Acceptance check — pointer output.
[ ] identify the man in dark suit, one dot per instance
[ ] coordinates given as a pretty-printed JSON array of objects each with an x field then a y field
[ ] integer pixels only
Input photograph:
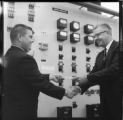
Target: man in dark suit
[
  {"x": 105, "y": 73},
  {"x": 22, "y": 80}
]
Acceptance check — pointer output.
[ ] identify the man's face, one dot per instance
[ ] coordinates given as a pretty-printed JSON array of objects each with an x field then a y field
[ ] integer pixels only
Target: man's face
[
  {"x": 100, "y": 36},
  {"x": 27, "y": 40}
]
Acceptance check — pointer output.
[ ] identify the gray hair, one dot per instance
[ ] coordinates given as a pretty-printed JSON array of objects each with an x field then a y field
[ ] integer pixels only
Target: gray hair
[{"x": 104, "y": 26}]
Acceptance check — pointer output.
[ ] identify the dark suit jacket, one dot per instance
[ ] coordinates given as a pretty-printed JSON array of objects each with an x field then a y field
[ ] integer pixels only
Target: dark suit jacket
[
  {"x": 107, "y": 76},
  {"x": 22, "y": 84}
]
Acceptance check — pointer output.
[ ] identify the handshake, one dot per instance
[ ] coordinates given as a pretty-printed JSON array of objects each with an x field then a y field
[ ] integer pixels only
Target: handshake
[{"x": 72, "y": 90}]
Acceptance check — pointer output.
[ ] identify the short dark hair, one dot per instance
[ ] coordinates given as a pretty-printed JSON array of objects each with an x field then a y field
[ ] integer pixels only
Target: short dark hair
[{"x": 19, "y": 29}]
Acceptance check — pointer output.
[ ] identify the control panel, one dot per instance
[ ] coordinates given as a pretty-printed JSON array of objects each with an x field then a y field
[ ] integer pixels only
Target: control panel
[{"x": 63, "y": 45}]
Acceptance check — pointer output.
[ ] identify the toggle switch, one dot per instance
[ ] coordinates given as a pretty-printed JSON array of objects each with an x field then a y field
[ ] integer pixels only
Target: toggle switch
[
  {"x": 88, "y": 50},
  {"x": 74, "y": 67},
  {"x": 31, "y": 6},
  {"x": 73, "y": 49},
  {"x": 88, "y": 59},
  {"x": 60, "y": 66},
  {"x": 73, "y": 57},
  {"x": 88, "y": 66},
  {"x": 60, "y": 56},
  {"x": 74, "y": 82},
  {"x": 60, "y": 47},
  {"x": 74, "y": 104},
  {"x": 11, "y": 13},
  {"x": 60, "y": 81},
  {"x": 31, "y": 17}
]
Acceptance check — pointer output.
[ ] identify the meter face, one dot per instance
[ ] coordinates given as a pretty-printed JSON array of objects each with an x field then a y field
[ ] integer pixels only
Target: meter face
[
  {"x": 76, "y": 35},
  {"x": 76, "y": 25},
  {"x": 63, "y": 21},
  {"x": 63, "y": 33}
]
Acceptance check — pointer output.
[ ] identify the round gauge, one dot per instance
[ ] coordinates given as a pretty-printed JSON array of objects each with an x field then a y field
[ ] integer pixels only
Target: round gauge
[{"x": 76, "y": 25}]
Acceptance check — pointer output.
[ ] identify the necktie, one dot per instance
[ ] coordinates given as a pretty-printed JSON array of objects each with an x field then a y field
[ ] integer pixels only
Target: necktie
[
  {"x": 104, "y": 52},
  {"x": 104, "y": 58}
]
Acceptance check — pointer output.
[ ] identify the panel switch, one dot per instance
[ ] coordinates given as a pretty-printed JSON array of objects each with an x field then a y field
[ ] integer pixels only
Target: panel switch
[
  {"x": 74, "y": 67},
  {"x": 73, "y": 57},
  {"x": 60, "y": 66},
  {"x": 61, "y": 56},
  {"x": 88, "y": 67},
  {"x": 60, "y": 47}
]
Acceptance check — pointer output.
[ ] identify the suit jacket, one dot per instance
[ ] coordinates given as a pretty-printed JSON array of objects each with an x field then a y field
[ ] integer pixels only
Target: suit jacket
[
  {"x": 107, "y": 76},
  {"x": 22, "y": 84}
]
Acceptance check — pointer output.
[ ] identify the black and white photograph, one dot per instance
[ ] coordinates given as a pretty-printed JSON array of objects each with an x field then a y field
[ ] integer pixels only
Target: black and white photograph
[{"x": 61, "y": 60}]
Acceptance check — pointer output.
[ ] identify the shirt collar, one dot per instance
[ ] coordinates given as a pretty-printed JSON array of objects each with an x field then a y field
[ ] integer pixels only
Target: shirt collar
[
  {"x": 108, "y": 46},
  {"x": 18, "y": 47}
]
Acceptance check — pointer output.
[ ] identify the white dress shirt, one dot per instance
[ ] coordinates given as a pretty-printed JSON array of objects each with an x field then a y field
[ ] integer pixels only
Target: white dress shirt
[{"x": 108, "y": 46}]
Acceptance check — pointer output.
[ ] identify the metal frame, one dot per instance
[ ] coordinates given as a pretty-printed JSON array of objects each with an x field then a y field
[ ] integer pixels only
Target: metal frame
[{"x": 97, "y": 7}]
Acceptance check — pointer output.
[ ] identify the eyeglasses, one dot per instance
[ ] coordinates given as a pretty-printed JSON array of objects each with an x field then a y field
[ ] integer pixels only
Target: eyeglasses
[{"x": 98, "y": 34}]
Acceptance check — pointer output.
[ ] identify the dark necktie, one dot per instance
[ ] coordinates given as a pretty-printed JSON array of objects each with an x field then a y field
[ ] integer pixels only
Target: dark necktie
[
  {"x": 105, "y": 53},
  {"x": 104, "y": 57}
]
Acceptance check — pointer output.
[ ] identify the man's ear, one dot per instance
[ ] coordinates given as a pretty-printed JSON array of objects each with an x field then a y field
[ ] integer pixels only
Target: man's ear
[{"x": 19, "y": 37}]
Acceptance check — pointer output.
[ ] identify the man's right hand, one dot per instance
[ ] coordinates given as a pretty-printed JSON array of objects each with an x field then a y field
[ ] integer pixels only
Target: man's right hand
[
  {"x": 82, "y": 82},
  {"x": 72, "y": 91}
]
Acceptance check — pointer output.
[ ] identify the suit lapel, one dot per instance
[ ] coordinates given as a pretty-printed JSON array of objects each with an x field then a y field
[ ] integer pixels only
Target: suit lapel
[{"x": 112, "y": 47}]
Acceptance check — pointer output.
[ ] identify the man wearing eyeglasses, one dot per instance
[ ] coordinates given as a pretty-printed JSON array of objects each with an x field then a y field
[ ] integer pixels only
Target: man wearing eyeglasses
[{"x": 105, "y": 73}]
